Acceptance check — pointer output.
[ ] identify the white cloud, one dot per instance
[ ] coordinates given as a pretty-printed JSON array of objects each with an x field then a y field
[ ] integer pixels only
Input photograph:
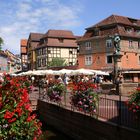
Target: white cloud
[{"x": 36, "y": 16}]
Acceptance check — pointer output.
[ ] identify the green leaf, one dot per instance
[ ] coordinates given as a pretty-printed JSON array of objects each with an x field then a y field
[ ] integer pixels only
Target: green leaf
[
  {"x": 3, "y": 97},
  {"x": 2, "y": 111}
]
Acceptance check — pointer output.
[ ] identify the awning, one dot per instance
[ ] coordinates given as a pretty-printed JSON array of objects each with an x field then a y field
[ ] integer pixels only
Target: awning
[{"x": 131, "y": 71}]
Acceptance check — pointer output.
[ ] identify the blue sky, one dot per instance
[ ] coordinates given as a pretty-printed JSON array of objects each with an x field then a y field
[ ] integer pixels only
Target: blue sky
[{"x": 20, "y": 17}]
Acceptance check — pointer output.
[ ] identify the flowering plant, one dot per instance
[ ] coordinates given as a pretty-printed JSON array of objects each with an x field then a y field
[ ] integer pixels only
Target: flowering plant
[
  {"x": 134, "y": 101},
  {"x": 16, "y": 119},
  {"x": 84, "y": 97},
  {"x": 55, "y": 91}
]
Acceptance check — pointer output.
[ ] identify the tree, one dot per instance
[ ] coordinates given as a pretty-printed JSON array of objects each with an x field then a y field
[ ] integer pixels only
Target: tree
[
  {"x": 1, "y": 42},
  {"x": 57, "y": 62}
]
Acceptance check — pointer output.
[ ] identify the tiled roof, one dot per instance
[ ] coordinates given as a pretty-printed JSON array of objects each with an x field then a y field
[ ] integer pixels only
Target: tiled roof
[
  {"x": 54, "y": 36},
  {"x": 59, "y": 34},
  {"x": 34, "y": 44},
  {"x": 35, "y": 36},
  {"x": 2, "y": 53},
  {"x": 66, "y": 42},
  {"x": 23, "y": 42},
  {"x": 114, "y": 19}
]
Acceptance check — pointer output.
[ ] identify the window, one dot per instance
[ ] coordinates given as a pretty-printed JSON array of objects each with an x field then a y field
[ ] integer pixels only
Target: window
[
  {"x": 109, "y": 43},
  {"x": 88, "y": 60},
  {"x": 96, "y": 32},
  {"x": 109, "y": 59},
  {"x": 70, "y": 63},
  {"x": 138, "y": 44},
  {"x": 39, "y": 52},
  {"x": 130, "y": 44},
  {"x": 98, "y": 60},
  {"x": 43, "y": 50},
  {"x": 70, "y": 52},
  {"x": 128, "y": 30},
  {"x": 49, "y": 51},
  {"x": 88, "y": 45},
  {"x": 61, "y": 40},
  {"x": 44, "y": 62},
  {"x": 39, "y": 62},
  {"x": 139, "y": 60},
  {"x": 138, "y": 32}
]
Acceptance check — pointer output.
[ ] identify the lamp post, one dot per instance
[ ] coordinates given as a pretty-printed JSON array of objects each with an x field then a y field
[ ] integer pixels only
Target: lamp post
[{"x": 116, "y": 73}]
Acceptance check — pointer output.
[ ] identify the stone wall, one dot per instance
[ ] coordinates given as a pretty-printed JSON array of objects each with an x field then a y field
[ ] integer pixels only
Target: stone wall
[
  {"x": 125, "y": 89},
  {"x": 82, "y": 127}
]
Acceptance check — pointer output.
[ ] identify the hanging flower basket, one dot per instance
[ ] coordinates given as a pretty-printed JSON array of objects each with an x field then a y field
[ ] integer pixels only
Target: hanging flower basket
[
  {"x": 55, "y": 91},
  {"x": 84, "y": 97}
]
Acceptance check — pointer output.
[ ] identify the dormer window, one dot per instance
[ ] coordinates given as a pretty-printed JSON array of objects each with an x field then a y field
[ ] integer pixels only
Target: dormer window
[
  {"x": 88, "y": 45},
  {"x": 128, "y": 30},
  {"x": 138, "y": 44},
  {"x": 61, "y": 40},
  {"x": 96, "y": 32},
  {"x": 138, "y": 32}
]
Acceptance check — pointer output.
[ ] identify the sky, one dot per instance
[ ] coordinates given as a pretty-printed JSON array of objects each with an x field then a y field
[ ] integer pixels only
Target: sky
[{"x": 20, "y": 17}]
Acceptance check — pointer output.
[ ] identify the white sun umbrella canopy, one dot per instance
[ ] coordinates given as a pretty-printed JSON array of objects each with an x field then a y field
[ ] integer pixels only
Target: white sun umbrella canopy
[
  {"x": 82, "y": 71},
  {"x": 99, "y": 72},
  {"x": 65, "y": 71},
  {"x": 48, "y": 72},
  {"x": 30, "y": 72},
  {"x": 38, "y": 72},
  {"x": 13, "y": 74},
  {"x": 21, "y": 74}
]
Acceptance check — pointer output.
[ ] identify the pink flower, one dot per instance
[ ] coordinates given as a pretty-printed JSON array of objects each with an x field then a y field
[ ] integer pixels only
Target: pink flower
[{"x": 35, "y": 138}]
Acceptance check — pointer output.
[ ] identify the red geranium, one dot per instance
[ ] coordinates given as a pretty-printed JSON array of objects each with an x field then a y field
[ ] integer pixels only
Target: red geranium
[
  {"x": 16, "y": 120},
  {"x": 8, "y": 115},
  {"x": 84, "y": 96},
  {"x": 134, "y": 101}
]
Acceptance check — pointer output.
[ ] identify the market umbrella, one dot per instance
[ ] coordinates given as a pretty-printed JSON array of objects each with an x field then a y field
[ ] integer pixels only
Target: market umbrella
[{"x": 82, "y": 71}]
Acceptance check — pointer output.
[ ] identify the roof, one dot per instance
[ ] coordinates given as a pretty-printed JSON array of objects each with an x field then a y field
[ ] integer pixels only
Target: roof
[
  {"x": 23, "y": 42},
  {"x": 57, "y": 43},
  {"x": 2, "y": 53},
  {"x": 35, "y": 36},
  {"x": 115, "y": 19},
  {"x": 59, "y": 34}
]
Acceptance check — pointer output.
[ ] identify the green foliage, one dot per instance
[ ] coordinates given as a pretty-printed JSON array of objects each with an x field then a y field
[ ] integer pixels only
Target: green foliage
[
  {"x": 57, "y": 62},
  {"x": 55, "y": 91},
  {"x": 16, "y": 119},
  {"x": 134, "y": 101},
  {"x": 1, "y": 42},
  {"x": 85, "y": 97}
]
